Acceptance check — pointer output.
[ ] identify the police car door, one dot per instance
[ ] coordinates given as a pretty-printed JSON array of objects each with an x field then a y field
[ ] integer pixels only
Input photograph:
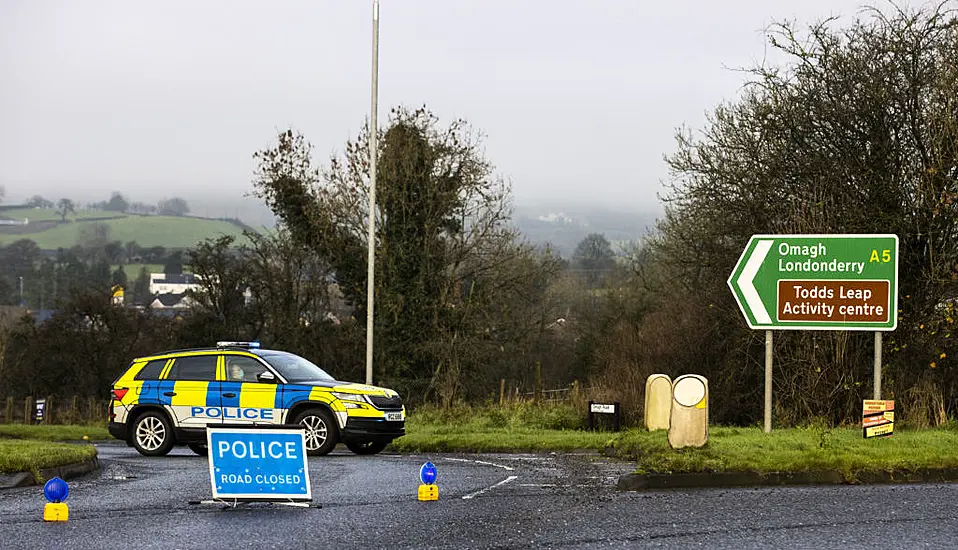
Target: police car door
[
  {"x": 190, "y": 391},
  {"x": 246, "y": 399}
]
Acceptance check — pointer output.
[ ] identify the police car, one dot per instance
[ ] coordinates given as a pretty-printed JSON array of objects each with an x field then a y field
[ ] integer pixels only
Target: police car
[{"x": 170, "y": 398}]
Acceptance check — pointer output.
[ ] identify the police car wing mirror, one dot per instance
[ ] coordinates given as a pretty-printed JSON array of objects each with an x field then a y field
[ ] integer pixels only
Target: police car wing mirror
[{"x": 266, "y": 376}]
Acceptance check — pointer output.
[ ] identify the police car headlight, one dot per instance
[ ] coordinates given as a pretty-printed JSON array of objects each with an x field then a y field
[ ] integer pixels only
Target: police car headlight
[{"x": 349, "y": 396}]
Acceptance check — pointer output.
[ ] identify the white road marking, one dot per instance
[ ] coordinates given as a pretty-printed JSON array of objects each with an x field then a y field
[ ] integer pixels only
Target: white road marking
[
  {"x": 508, "y": 468},
  {"x": 479, "y": 492}
]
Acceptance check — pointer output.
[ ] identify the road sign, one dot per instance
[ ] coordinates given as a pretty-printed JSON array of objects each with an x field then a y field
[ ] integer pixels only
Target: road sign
[
  {"x": 878, "y": 418},
  {"x": 258, "y": 463},
  {"x": 818, "y": 282}
]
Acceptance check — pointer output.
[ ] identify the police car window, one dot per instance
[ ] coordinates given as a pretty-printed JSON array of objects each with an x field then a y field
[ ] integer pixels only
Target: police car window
[
  {"x": 200, "y": 367},
  {"x": 242, "y": 369},
  {"x": 151, "y": 371},
  {"x": 294, "y": 368}
]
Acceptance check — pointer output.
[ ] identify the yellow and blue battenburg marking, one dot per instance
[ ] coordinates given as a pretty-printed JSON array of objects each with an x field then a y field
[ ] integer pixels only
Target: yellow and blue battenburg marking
[{"x": 194, "y": 402}]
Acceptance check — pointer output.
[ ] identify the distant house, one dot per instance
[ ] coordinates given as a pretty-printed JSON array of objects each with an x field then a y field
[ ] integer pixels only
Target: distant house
[
  {"x": 170, "y": 301},
  {"x": 172, "y": 283}
]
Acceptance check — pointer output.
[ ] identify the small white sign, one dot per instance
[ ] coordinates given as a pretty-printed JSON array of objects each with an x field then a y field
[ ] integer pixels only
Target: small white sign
[{"x": 600, "y": 408}]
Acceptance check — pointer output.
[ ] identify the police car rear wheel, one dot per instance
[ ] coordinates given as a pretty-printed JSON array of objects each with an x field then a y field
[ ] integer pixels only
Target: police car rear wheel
[
  {"x": 366, "y": 447},
  {"x": 321, "y": 431},
  {"x": 152, "y": 434}
]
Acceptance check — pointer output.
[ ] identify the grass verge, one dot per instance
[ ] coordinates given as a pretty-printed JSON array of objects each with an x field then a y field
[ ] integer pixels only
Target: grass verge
[
  {"x": 28, "y": 448},
  {"x": 729, "y": 449},
  {"x": 24, "y": 455},
  {"x": 794, "y": 450},
  {"x": 46, "y": 432}
]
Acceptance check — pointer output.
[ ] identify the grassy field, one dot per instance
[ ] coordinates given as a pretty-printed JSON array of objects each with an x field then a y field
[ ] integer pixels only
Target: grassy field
[
  {"x": 133, "y": 271},
  {"x": 147, "y": 231}
]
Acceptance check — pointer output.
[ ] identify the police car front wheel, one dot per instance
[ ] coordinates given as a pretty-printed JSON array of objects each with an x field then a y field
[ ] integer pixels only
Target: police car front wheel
[
  {"x": 199, "y": 448},
  {"x": 152, "y": 434},
  {"x": 366, "y": 447},
  {"x": 321, "y": 431}
]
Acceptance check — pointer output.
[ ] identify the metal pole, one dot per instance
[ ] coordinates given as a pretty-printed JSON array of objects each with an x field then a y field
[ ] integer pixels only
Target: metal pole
[
  {"x": 877, "y": 382},
  {"x": 768, "y": 381},
  {"x": 21, "y": 291},
  {"x": 373, "y": 143}
]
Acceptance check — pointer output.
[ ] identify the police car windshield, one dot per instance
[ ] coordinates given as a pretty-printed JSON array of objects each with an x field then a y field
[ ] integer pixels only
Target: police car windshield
[{"x": 294, "y": 368}]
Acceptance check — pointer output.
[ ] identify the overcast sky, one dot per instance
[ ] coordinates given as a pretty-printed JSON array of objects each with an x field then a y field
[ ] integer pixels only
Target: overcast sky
[{"x": 579, "y": 100}]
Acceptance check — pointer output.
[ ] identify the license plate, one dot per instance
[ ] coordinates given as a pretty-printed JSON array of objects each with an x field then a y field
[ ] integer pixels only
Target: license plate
[{"x": 393, "y": 416}]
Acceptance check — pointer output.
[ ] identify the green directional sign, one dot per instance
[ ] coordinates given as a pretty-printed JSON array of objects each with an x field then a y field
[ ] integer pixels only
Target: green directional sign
[{"x": 818, "y": 282}]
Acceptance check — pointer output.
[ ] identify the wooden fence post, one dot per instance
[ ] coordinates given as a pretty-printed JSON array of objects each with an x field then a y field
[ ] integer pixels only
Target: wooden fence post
[
  {"x": 48, "y": 413},
  {"x": 502, "y": 391},
  {"x": 74, "y": 410},
  {"x": 94, "y": 412},
  {"x": 27, "y": 409},
  {"x": 538, "y": 394},
  {"x": 8, "y": 414}
]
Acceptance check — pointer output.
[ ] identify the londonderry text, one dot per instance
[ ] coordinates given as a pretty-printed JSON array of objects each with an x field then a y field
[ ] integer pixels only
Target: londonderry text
[{"x": 812, "y": 264}]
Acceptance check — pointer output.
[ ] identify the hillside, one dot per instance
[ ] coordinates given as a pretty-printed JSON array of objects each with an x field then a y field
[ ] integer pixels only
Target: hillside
[
  {"x": 44, "y": 226},
  {"x": 558, "y": 224}
]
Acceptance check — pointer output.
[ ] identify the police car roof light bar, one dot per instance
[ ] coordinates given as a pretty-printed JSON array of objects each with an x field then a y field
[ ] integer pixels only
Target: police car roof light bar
[{"x": 230, "y": 344}]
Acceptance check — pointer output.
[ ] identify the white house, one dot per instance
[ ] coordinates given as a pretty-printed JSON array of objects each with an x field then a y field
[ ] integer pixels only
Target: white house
[{"x": 172, "y": 283}]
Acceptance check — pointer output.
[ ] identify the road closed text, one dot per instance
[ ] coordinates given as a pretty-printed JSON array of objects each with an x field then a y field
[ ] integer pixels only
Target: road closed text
[
  {"x": 261, "y": 479},
  {"x": 842, "y": 300}
]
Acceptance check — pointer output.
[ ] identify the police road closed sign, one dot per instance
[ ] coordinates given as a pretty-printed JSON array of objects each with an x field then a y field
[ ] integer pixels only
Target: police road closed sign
[{"x": 258, "y": 463}]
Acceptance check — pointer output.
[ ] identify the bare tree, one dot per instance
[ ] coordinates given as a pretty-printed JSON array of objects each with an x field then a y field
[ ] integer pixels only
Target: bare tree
[
  {"x": 443, "y": 240},
  {"x": 856, "y": 134}
]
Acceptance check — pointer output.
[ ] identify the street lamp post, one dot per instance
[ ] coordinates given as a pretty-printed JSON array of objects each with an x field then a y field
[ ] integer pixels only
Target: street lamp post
[{"x": 373, "y": 145}]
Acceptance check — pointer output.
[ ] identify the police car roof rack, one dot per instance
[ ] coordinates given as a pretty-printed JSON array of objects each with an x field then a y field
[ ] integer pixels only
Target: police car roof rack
[{"x": 232, "y": 344}]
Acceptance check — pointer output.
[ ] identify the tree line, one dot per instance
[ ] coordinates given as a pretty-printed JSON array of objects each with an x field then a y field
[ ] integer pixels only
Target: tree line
[
  {"x": 174, "y": 206},
  {"x": 40, "y": 279},
  {"x": 856, "y": 133}
]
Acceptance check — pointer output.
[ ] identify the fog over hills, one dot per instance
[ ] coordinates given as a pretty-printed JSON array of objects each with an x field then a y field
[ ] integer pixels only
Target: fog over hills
[
  {"x": 560, "y": 223},
  {"x": 564, "y": 224}
]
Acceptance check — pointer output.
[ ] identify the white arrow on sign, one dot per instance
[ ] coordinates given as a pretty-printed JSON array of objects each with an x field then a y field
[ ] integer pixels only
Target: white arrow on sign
[{"x": 748, "y": 289}]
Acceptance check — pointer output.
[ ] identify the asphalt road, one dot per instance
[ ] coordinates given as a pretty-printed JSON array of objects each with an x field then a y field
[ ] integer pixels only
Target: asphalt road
[{"x": 486, "y": 501}]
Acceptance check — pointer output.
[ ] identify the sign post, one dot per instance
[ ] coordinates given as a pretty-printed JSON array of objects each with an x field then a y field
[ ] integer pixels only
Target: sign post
[
  {"x": 41, "y": 407},
  {"x": 818, "y": 282},
  {"x": 605, "y": 408},
  {"x": 259, "y": 464}
]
